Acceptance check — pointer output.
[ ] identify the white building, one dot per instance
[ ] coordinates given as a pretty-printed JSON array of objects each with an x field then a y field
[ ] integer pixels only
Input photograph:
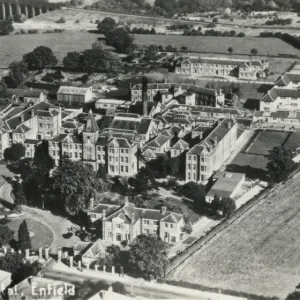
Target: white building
[{"x": 74, "y": 94}]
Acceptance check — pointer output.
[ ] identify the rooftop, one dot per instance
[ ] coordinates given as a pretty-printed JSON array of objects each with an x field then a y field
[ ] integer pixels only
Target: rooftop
[{"x": 74, "y": 90}]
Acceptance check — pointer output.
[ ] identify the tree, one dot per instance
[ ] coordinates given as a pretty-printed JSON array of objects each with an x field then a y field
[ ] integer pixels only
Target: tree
[
  {"x": 6, "y": 235},
  {"x": 144, "y": 180},
  {"x": 97, "y": 45},
  {"x": 40, "y": 58},
  {"x": 254, "y": 51},
  {"x": 232, "y": 33},
  {"x": 120, "y": 39},
  {"x": 26, "y": 270},
  {"x": 14, "y": 152},
  {"x": 101, "y": 173},
  {"x": 195, "y": 192},
  {"x": 230, "y": 50},
  {"x": 99, "y": 60},
  {"x": 216, "y": 203},
  {"x": 106, "y": 25},
  {"x": 241, "y": 34},
  {"x": 73, "y": 61},
  {"x": 280, "y": 164},
  {"x": 147, "y": 255},
  {"x": 259, "y": 5},
  {"x": 6, "y": 27},
  {"x": 151, "y": 52},
  {"x": 17, "y": 74},
  {"x": 20, "y": 198},
  {"x": 119, "y": 287},
  {"x": 228, "y": 207},
  {"x": 24, "y": 241},
  {"x": 74, "y": 185}
]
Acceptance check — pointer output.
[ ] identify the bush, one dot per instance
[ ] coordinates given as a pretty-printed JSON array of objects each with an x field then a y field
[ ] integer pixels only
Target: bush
[
  {"x": 77, "y": 21},
  {"x": 60, "y": 20}
]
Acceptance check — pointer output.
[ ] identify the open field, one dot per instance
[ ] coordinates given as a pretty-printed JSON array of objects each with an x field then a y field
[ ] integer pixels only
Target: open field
[
  {"x": 266, "y": 141},
  {"x": 258, "y": 253},
  {"x": 60, "y": 43},
  {"x": 212, "y": 44}
]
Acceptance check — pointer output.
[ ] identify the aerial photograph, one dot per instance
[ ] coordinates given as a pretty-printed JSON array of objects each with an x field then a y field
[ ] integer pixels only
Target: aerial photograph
[{"x": 149, "y": 149}]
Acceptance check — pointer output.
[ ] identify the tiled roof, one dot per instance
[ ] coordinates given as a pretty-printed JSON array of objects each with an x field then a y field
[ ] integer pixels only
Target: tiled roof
[
  {"x": 148, "y": 153},
  {"x": 101, "y": 207},
  {"x": 22, "y": 129},
  {"x": 125, "y": 124},
  {"x": 71, "y": 139},
  {"x": 144, "y": 126},
  {"x": 82, "y": 246},
  {"x": 96, "y": 250},
  {"x": 180, "y": 145},
  {"x": 288, "y": 78},
  {"x": 93, "y": 124},
  {"x": 128, "y": 115},
  {"x": 119, "y": 142},
  {"x": 32, "y": 142},
  {"x": 59, "y": 137},
  {"x": 196, "y": 150},
  {"x": 274, "y": 93}
]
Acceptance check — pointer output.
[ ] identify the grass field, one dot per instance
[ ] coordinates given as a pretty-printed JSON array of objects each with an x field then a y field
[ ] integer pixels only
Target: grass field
[
  {"x": 266, "y": 141},
  {"x": 42, "y": 234},
  {"x": 259, "y": 253},
  {"x": 13, "y": 47},
  {"x": 212, "y": 44},
  {"x": 293, "y": 142}
]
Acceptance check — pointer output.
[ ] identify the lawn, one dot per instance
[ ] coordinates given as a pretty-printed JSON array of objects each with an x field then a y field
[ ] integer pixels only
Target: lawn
[
  {"x": 293, "y": 142},
  {"x": 266, "y": 141},
  {"x": 212, "y": 44},
  {"x": 60, "y": 43},
  {"x": 258, "y": 254},
  {"x": 42, "y": 234}
]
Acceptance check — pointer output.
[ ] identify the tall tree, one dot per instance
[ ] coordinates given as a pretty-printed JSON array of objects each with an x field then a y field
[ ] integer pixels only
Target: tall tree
[
  {"x": 120, "y": 39},
  {"x": 254, "y": 52},
  {"x": 228, "y": 207},
  {"x": 195, "y": 192},
  {"x": 17, "y": 74},
  {"x": 20, "y": 198},
  {"x": 6, "y": 235},
  {"x": 24, "y": 241},
  {"x": 151, "y": 52},
  {"x": 106, "y": 25},
  {"x": 147, "y": 255},
  {"x": 40, "y": 58},
  {"x": 230, "y": 50},
  {"x": 280, "y": 164}
]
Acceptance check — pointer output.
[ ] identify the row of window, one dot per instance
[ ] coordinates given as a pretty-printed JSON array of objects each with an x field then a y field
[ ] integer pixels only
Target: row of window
[
  {"x": 44, "y": 125},
  {"x": 194, "y": 158},
  {"x": 152, "y": 222},
  {"x": 193, "y": 177},
  {"x": 123, "y": 169},
  {"x": 116, "y": 159},
  {"x": 122, "y": 151},
  {"x": 70, "y": 146}
]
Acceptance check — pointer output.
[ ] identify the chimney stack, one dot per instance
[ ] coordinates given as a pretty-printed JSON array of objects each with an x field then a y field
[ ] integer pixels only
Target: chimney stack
[
  {"x": 132, "y": 218},
  {"x": 22, "y": 118},
  {"x": 229, "y": 123},
  {"x": 145, "y": 96},
  {"x": 216, "y": 141},
  {"x": 91, "y": 203},
  {"x": 163, "y": 210},
  {"x": 32, "y": 113},
  {"x": 103, "y": 214},
  {"x": 126, "y": 201}
]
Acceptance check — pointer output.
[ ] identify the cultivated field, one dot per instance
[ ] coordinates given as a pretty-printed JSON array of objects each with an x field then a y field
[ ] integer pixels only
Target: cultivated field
[
  {"x": 258, "y": 254},
  {"x": 212, "y": 44},
  {"x": 13, "y": 47},
  {"x": 266, "y": 141}
]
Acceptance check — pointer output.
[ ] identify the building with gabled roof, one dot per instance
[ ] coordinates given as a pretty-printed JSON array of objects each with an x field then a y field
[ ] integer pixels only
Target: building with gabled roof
[
  {"x": 206, "y": 157},
  {"x": 74, "y": 95},
  {"x": 212, "y": 66},
  {"x": 288, "y": 80},
  {"x": 127, "y": 222},
  {"x": 179, "y": 147}
]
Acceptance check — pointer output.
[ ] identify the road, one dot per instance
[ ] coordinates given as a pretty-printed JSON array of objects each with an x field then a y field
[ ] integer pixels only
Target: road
[{"x": 142, "y": 289}]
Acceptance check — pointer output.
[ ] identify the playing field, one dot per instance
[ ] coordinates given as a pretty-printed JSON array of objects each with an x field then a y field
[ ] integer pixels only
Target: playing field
[
  {"x": 266, "y": 141},
  {"x": 258, "y": 254},
  {"x": 13, "y": 47},
  {"x": 213, "y": 44}
]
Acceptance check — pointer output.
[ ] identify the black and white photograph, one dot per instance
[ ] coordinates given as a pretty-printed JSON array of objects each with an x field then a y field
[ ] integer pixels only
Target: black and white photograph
[{"x": 149, "y": 149}]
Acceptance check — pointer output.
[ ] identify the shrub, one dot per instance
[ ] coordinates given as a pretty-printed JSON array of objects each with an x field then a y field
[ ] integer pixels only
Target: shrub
[
  {"x": 78, "y": 21},
  {"x": 61, "y": 20}
]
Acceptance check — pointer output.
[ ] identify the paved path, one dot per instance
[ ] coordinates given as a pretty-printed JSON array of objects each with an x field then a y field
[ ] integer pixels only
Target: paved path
[
  {"x": 137, "y": 286},
  {"x": 5, "y": 193}
]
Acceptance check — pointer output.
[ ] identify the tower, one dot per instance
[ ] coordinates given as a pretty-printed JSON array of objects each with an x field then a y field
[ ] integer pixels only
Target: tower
[
  {"x": 90, "y": 137},
  {"x": 145, "y": 96}
]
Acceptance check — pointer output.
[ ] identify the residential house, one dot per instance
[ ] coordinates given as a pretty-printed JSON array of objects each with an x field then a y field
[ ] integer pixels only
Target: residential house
[
  {"x": 206, "y": 157},
  {"x": 127, "y": 222},
  {"x": 112, "y": 104},
  {"x": 289, "y": 80},
  {"x": 30, "y": 147},
  {"x": 23, "y": 96},
  {"x": 72, "y": 95}
]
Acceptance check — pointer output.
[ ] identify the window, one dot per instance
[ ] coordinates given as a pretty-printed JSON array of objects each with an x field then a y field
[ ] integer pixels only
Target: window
[
  {"x": 189, "y": 166},
  {"x": 93, "y": 216},
  {"x": 122, "y": 169},
  {"x": 166, "y": 225},
  {"x": 75, "y": 146},
  {"x": 146, "y": 222},
  {"x": 126, "y": 169},
  {"x": 126, "y": 159},
  {"x": 80, "y": 155},
  {"x": 53, "y": 153},
  {"x": 126, "y": 151},
  {"x": 27, "y": 154},
  {"x": 171, "y": 225},
  {"x": 195, "y": 157},
  {"x": 118, "y": 237},
  {"x": 118, "y": 225},
  {"x": 173, "y": 239},
  {"x": 122, "y": 159},
  {"x": 194, "y": 167},
  {"x": 112, "y": 168},
  {"x": 194, "y": 176},
  {"x": 189, "y": 176},
  {"x": 155, "y": 222},
  {"x": 76, "y": 155},
  {"x": 99, "y": 157},
  {"x": 122, "y": 150}
]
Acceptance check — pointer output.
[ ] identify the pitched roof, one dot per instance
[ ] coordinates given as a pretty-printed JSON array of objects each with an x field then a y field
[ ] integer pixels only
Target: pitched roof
[
  {"x": 73, "y": 90},
  {"x": 22, "y": 129},
  {"x": 101, "y": 207},
  {"x": 287, "y": 78},
  {"x": 148, "y": 153},
  {"x": 31, "y": 141},
  {"x": 180, "y": 145},
  {"x": 144, "y": 126},
  {"x": 274, "y": 93},
  {"x": 91, "y": 124},
  {"x": 59, "y": 137}
]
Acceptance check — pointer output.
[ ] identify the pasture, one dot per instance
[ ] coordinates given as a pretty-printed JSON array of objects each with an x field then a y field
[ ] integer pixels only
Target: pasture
[
  {"x": 256, "y": 254},
  {"x": 13, "y": 47},
  {"x": 213, "y": 44}
]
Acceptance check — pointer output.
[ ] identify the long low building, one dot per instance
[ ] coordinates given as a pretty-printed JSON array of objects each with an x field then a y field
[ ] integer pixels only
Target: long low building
[{"x": 212, "y": 66}]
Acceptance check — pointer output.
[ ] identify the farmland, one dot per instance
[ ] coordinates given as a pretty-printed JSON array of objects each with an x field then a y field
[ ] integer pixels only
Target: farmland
[
  {"x": 60, "y": 43},
  {"x": 258, "y": 253},
  {"x": 212, "y": 44}
]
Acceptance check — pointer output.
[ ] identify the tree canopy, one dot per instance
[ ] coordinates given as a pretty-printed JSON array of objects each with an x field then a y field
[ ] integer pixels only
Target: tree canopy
[
  {"x": 74, "y": 185},
  {"x": 106, "y": 25},
  {"x": 280, "y": 164},
  {"x": 14, "y": 152},
  {"x": 120, "y": 39},
  {"x": 17, "y": 73},
  {"x": 195, "y": 192},
  {"x": 24, "y": 241},
  {"x": 73, "y": 61},
  {"x": 6, "y": 235},
  {"x": 228, "y": 207},
  {"x": 40, "y": 58},
  {"x": 147, "y": 255},
  {"x": 6, "y": 27}
]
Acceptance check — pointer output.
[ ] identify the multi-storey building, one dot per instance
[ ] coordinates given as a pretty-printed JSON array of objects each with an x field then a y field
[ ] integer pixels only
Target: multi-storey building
[
  {"x": 40, "y": 121},
  {"x": 125, "y": 223},
  {"x": 211, "y": 66},
  {"x": 23, "y": 96},
  {"x": 207, "y": 157},
  {"x": 184, "y": 93},
  {"x": 74, "y": 95}
]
